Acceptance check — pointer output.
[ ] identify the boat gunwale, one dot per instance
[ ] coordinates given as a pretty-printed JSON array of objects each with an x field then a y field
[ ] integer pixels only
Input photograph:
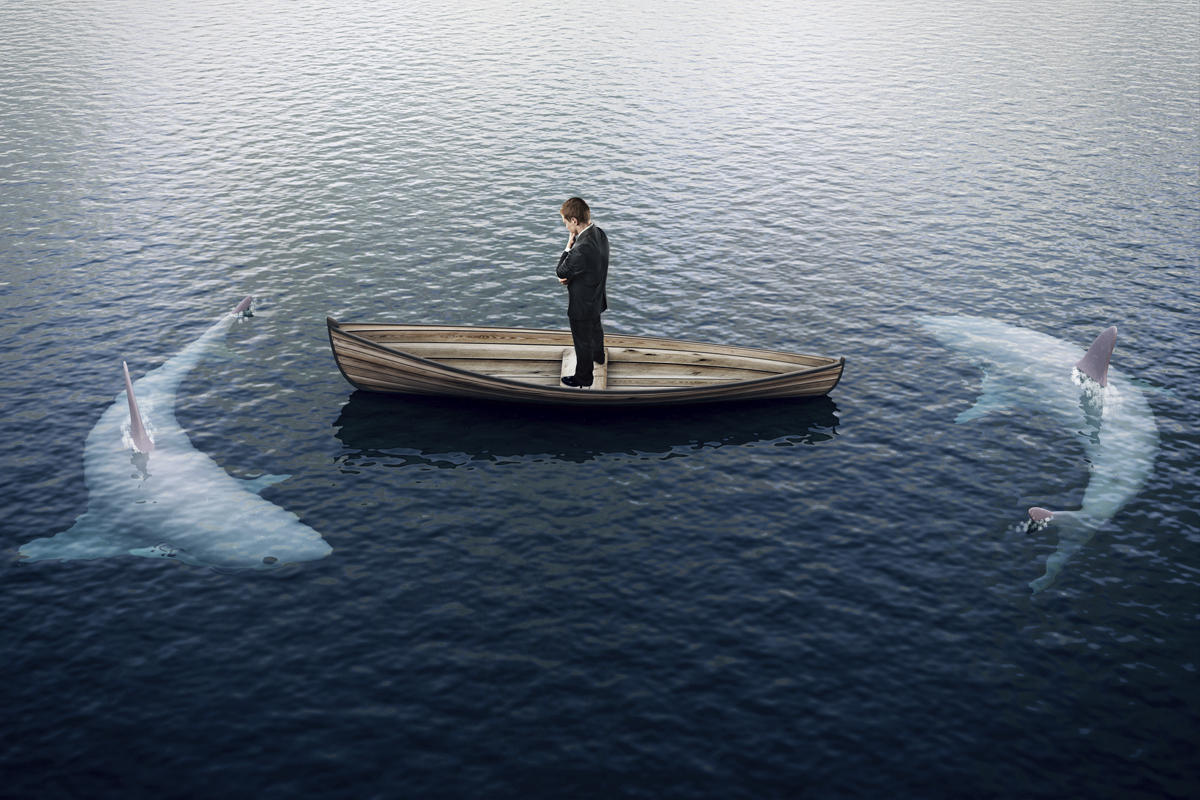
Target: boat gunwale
[
  {"x": 690, "y": 345},
  {"x": 611, "y": 395}
]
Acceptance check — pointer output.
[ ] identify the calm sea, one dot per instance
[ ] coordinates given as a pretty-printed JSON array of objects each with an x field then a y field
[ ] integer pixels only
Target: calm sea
[{"x": 813, "y": 599}]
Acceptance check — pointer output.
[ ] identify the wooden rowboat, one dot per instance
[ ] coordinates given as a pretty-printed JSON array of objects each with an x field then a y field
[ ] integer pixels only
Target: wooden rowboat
[{"x": 525, "y": 366}]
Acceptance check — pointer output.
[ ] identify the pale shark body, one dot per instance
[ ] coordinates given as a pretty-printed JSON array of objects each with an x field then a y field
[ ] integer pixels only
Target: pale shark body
[
  {"x": 151, "y": 493},
  {"x": 1108, "y": 414}
]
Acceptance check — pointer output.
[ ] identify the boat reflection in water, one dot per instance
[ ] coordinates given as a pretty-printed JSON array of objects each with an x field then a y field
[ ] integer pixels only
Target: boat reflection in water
[{"x": 450, "y": 432}]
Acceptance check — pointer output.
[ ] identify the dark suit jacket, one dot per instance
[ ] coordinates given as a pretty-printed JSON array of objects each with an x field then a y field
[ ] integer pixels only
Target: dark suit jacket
[{"x": 585, "y": 266}]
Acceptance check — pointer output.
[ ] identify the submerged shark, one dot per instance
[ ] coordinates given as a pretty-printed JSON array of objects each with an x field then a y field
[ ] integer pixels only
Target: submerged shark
[
  {"x": 1110, "y": 416},
  {"x": 152, "y": 494}
]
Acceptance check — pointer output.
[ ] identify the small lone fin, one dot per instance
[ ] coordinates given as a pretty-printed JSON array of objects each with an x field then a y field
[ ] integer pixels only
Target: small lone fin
[
  {"x": 244, "y": 306},
  {"x": 1095, "y": 363},
  {"x": 137, "y": 429},
  {"x": 1038, "y": 514},
  {"x": 1041, "y": 517}
]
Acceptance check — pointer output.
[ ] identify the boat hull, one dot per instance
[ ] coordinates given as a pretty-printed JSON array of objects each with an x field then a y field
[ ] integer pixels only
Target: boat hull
[{"x": 521, "y": 365}]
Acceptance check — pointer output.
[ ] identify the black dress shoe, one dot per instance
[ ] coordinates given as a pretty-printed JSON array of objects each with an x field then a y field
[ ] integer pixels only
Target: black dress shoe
[{"x": 574, "y": 382}]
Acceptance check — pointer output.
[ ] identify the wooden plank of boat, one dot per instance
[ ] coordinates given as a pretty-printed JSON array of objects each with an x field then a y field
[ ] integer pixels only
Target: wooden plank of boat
[
  {"x": 525, "y": 365},
  {"x": 599, "y": 371}
]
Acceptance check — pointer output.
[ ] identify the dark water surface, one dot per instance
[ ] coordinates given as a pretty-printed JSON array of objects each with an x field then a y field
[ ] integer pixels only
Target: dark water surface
[{"x": 789, "y": 600}]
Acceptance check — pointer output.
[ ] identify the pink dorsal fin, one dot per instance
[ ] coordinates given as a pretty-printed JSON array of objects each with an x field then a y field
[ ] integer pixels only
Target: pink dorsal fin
[
  {"x": 1037, "y": 514},
  {"x": 244, "y": 306},
  {"x": 1095, "y": 363},
  {"x": 137, "y": 429}
]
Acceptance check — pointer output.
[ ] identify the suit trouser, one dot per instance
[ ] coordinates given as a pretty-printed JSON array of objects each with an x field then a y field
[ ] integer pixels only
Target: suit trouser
[{"x": 588, "y": 338}]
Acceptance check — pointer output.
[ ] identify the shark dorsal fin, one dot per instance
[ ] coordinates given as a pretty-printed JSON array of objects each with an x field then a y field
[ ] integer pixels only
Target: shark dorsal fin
[
  {"x": 1038, "y": 514},
  {"x": 137, "y": 429},
  {"x": 1095, "y": 363}
]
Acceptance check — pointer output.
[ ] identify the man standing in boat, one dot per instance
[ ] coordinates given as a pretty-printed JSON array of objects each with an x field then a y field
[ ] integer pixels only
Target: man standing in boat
[{"x": 583, "y": 269}]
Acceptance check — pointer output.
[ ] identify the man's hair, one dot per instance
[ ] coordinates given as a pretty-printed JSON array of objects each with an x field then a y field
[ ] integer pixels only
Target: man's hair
[{"x": 576, "y": 208}]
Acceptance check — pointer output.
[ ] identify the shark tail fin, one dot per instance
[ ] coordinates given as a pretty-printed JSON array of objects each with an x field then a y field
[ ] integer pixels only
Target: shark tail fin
[
  {"x": 1075, "y": 529},
  {"x": 1095, "y": 363},
  {"x": 137, "y": 428}
]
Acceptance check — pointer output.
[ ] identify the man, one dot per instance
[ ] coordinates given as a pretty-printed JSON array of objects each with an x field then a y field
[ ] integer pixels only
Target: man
[{"x": 583, "y": 268}]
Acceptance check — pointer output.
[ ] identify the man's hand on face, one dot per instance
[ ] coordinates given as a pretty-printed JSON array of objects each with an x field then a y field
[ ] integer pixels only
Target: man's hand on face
[{"x": 570, "y": 231}]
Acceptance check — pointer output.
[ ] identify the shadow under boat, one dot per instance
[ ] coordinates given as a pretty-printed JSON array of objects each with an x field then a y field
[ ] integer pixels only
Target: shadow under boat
[{"x": 440, "y": 429}]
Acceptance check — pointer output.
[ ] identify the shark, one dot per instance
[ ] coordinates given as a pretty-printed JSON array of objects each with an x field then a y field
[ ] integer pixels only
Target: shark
[
  {"x": 1106, "y": 411},
  {"x": 152, "y": 494}
]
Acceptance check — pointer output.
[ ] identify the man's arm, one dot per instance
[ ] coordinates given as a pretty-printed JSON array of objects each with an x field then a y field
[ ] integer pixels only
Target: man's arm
[
  {"x": 562, "y": 259},
  {"x": 573, "y": 263}
]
